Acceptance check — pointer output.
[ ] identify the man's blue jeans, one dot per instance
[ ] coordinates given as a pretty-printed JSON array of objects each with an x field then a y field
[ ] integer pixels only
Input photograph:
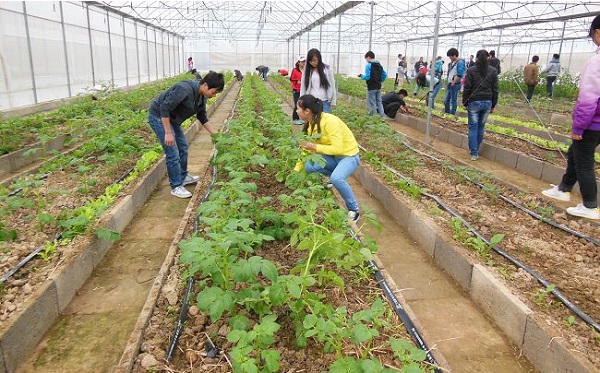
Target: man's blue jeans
[
  {"x": 477, "y": 113},
  {"x": 451, "y": 99},
  {"x": 177, "y": 155},
  {"x": 375, "y": 103},
  {"x": 434, "y": 93},
  {"x": 338, "y": 169}
]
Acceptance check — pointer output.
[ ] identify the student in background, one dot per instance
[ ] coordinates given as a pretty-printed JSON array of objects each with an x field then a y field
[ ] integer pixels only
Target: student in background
[
  {"x": 296, "y": 79},
  {"x": 552, "y": 71},
  {"x": 318, "y": 80},
  {"x": 456, "y": 70},
  {"x": 479, "y": 98},
  {"x": 336, "y": 145},
  {"x": 394, "y": 101},
  {"x": 531, "y": 76},
  {"x": 374, "y": 74},
  {"x": 585, "y": 134},
  {"x": 190, "y": 64}
]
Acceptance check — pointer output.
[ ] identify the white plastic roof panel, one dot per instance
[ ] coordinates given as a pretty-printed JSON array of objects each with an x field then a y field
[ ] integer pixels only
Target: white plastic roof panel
[{"x": 484, "y": 22}]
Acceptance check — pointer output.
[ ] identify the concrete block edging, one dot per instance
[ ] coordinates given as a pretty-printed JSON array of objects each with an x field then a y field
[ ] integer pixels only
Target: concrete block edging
[{"x": 516, "y": 320}]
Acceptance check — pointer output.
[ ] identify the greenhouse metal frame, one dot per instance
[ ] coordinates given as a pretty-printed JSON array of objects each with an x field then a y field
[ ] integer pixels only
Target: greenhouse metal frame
[{"x": 94, "y": 45}]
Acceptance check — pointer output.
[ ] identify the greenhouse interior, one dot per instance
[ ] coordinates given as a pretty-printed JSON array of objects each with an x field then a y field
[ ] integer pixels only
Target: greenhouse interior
[{"x": 308, "y": 186}]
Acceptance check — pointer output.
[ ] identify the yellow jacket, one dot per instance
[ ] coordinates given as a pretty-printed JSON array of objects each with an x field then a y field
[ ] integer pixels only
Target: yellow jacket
[{"x": 337, "y": 139}]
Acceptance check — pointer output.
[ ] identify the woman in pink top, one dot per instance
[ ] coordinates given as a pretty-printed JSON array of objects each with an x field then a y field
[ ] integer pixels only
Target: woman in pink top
[{"x": 586, "y": 137}]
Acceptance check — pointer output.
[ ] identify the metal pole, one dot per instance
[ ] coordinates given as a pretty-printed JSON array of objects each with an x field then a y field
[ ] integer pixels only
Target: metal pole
[
  {"x": 339, "y": 42},
  {"x": 388, "y": 59},
  {"x": 125, "y": 47},
  {"x": 137, "y": 52},
  {"x": 570, "y": 55},
  {"x": 371, "y": 24},
  {"x": 87, "y": 8},
  {"x": 529, "y": 54},
  {"x": 64, "y": 35},
  {"x": 30, "y": 50},
  {"x": 320, "y": 36},
  {"x": 110, "y": 52},
  {"x": 148, "y": 52},
  {"x": 156, "y": 54},
  {"x": 432, "y": 73},
  {"x": 562, "y": 36}
]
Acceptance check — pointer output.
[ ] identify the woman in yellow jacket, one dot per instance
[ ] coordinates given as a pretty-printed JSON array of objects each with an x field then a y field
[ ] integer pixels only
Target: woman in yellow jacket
[{"x": 337, "y": 146}]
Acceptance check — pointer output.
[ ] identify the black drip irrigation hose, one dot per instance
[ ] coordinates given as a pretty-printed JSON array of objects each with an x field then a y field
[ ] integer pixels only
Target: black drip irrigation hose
[
  {"x": 559, "y": 295},
  {"x": 24, "y": 261},
  {"x": 182, "y": 319},
  {"x": 18, "y": 190},
  {"x": 514, "y": 203},
  {"x": 406, "y": 320},
  {"x": 404, "y": 317}
]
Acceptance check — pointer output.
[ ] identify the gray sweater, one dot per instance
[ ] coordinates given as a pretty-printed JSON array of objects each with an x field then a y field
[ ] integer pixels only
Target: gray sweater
[{"x": 552, "y": 68}]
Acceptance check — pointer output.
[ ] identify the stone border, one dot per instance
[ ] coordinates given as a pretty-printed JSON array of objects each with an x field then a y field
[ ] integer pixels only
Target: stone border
[
  {"x": 23, "y": 332},
  {"x": 543, "y": 346}
]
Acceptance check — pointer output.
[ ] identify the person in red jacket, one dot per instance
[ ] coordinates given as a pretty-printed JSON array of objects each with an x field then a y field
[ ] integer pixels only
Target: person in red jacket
[
  {"x": 296, "y": 78},
  {"x": 283, "y": 72}
]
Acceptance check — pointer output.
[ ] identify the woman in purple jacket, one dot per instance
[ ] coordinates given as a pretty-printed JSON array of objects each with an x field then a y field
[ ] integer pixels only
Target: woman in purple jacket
[{"x": 586, "y": 137}]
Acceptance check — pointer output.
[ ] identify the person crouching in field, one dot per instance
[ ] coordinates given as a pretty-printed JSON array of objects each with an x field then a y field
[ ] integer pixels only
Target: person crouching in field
[{"x": 337, "y": 146}]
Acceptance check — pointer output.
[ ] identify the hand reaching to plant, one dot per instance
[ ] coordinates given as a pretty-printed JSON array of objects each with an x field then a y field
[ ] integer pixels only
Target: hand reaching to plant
[{"x": 309, "y": 146}]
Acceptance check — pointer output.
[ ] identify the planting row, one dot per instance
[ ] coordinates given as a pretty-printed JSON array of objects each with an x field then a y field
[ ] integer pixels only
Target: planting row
[
  {"x": 280, "y": 285},
  {"x": 67, "y": 194}
]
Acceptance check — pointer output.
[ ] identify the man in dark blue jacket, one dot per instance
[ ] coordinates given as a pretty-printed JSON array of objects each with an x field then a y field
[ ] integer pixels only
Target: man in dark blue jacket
[
  {"x": 374, "y": 75},
  {"x": 167, "y": 113}
]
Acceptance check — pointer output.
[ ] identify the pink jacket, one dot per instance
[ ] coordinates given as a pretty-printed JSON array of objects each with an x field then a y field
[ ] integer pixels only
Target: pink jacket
[{"x": 586, "y": 114}]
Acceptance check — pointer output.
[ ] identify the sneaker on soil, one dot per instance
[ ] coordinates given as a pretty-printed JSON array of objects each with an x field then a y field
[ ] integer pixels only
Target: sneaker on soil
[
  {"x": 584, "y": 212},
  {"x": 353, "y": 215},
  {"x": 189, "y": 179},
  {"x": 180, "y": 192},
  {"x": 557, "y": 194},
  {"x": 298, "y": 122},
  {"x": 329, "y": 185},
  {"x": 474, "y": 157}
]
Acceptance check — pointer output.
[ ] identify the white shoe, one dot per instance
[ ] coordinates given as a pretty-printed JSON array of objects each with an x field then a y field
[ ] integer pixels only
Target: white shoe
[
  {"x": 353, "y": 215},
  {"x": 557, "y": 194},
  {"x": 181, "y": 192},
  {"x": 584, "y": 212},
  {"x": 329, "y": 185},
  {"x": 189, "y": 179}
]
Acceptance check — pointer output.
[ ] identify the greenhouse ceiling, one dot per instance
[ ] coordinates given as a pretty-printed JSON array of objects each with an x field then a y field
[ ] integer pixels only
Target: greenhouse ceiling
[{"x": 483, "y": 22}]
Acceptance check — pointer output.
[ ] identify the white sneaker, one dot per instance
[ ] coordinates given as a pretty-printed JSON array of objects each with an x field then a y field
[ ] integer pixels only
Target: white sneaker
[
  {"x": 181, "y": 192},
  {"x": 329, "y": 185},
  {"x": 584, "y": 212},
  {"x": 189, "y": 179},
  {"x": 557, "y": 194},
  {"x": 353, "y": 215}
]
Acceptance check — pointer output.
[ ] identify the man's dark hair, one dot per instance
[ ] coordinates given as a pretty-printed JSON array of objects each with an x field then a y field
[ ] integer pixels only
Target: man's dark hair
[
  {"x": 556, "y": 56},
  {"x": 403, "y": 92},
  {"x": 452, "y": 52},
  {"x": 535, "y": 58},
  {"x": 214, "y": 80},
  {"x": 493, "y": 53},
  {"x": 370, "y": 54}
]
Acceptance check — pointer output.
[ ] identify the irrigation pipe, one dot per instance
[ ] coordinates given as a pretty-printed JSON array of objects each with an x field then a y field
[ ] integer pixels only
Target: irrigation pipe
[
  {"x": 186, "y": 301},
  {"x": 24, "y": 261},
  {"x": 406, "y": 320},
  {"x": 557, "y": 293},
  {"x": 510, "y": 201}
]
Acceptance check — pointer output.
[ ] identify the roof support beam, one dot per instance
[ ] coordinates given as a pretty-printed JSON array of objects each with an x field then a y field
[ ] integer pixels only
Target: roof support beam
[{"x": 339, "y": 10}]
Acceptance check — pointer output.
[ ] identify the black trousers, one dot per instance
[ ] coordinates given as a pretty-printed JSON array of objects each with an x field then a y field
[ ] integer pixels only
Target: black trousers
[
  {"x": 391, "y": 109},
  {"x": 580, "y": 168},
  {"x": 550, "y": 85},
  {"x": 296, "y": 97},
  {"x": 530, "y": 89}
]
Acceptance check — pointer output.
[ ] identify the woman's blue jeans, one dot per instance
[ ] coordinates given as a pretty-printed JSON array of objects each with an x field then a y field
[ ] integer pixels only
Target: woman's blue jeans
[
  {"x": 375, "y": 103},
  {"x": 477, "y": 115},
  {"x": 177, "y": 155},
  {"x": 326, "y": 106},
  {"x": 451, "y": 99},
  {"x": 338, "y": 169}
]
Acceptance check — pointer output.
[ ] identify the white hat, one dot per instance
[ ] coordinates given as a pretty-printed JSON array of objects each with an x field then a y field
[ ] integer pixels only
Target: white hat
[{"x": 301, "y": 59}]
